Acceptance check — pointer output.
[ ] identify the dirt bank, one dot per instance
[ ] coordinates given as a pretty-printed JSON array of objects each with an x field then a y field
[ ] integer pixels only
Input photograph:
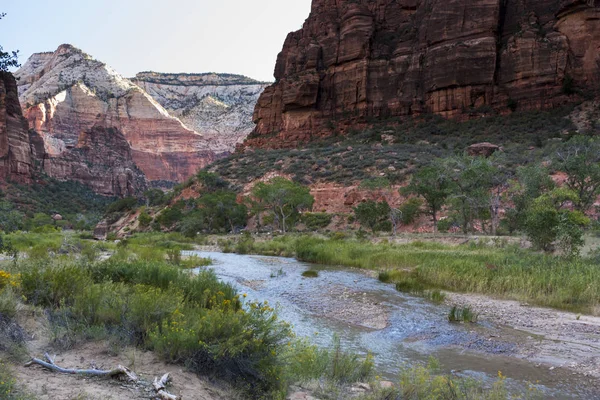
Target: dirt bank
[{"x": 46, "y": 385}]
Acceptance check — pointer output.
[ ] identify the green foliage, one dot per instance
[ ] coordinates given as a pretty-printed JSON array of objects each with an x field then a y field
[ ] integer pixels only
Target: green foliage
[
  {"x": 532, "y": 181},
  {"x": 433, "y": 184},
  {"x": 212, "y": 182},
  {"x": 11, "y": 220},
  {"x": 579, "y": 158},
  {"x": 427, "y": 382},
  {"x": 144, "y": 218},
  {"x": 195, "y": 320},
  {"x": 509, "y": 272},
  {"x": 316, "y": 221},
  {"x": 414, "y": 143},
  {"x": 219, "y": 211},
  {"x": 123, "y": 205},
  {"x": 375, "y": 183},
  {"x": 284, "y": 199},
  {"x": 156, "y": 197},
  {"x": 472, "y": 179},
  {"x": 548, "y": 220},
  {"x": 311, "y": 273},
  {"x": 51, "y": 285},
  {"x": 410, "y": 210},
  {"x": 435, "y": 296},
  {"x": 171, "y": 215},
  {"x": 307, "y": 363},
  {"x": 372, "y": 214},
  {"x": 462, "y": 314}
]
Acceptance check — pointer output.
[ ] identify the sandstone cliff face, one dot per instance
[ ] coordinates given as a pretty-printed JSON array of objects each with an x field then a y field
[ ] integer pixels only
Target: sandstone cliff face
[
  {"x": 15, "y": 154},
  {"x": 361, "y": 59},
  {"x": 75, "y": 102},
  {"x": 219, "y": 106}
]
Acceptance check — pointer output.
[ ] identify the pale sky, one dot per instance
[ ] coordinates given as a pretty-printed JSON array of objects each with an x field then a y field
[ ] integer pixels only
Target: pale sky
[{"x": 232, "y": 36}]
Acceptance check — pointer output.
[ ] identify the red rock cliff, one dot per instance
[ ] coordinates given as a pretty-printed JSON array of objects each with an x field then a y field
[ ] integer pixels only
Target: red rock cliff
[
  {"x": 66, "y": 94},
  {"x": 359, "y": 59},
  {"x": 15, "y": 153}
]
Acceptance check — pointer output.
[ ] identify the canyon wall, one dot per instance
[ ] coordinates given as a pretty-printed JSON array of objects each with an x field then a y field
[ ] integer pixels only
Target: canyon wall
[
  {"x": 357, "y": 60},
  {"x": 16, "y": 162},
  {"x": 218, "y": 106},
  {"x": 97, "y": 127}
]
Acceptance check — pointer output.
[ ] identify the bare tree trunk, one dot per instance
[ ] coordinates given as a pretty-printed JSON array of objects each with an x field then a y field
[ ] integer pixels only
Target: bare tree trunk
[
  {"x": 49, "y": 364},
  {"x": 160, "y": 388}
]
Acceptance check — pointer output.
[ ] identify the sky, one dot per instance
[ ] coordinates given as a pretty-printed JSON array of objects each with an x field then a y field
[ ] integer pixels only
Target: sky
[{"x": 227, "y": 36}]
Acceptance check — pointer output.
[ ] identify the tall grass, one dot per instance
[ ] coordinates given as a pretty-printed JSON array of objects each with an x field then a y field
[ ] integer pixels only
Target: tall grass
[{"x": 509, "y": 272}]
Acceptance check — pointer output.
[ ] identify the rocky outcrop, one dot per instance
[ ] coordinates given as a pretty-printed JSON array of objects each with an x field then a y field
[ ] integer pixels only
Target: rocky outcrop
[
  {"x": 15, "y": 153},
  {"x": 219, "y": 106},
  {"x": 357, "y": 60},
  {"x": 101, "y": 159},
  {"x": 484, "y": 149},
  {"x": 85, "y": 113}
]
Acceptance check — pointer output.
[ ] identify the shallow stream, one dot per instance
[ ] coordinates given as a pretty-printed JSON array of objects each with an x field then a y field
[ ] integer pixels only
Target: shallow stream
[{"x": 398, "y": 329}]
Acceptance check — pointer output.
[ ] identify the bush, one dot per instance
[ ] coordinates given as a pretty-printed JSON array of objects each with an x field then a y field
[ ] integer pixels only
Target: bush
[
  {"x": 410, "y": 210},
  {"x": 122, "y": 205},
  {"x": 53, "y": 285},
  {"x": 316, "y": 221}
]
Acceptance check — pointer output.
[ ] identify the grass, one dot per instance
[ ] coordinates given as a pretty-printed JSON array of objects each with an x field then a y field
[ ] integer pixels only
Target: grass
[
  {"x": 462, "y": 314},
  {"x": 508, "y": 271},
  {"x": 310, "y": 274}
]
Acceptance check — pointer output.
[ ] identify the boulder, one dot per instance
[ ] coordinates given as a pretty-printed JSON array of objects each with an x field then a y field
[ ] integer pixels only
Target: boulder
[{"x": 482, "y": 149}]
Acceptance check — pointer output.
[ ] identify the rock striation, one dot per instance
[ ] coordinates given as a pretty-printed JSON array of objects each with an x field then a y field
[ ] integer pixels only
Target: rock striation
[
  {"x": 95, "y": 126},
  {"x": 355, "y": 60},
  {"x": 218, "y": 106},
  {"x": 16, "y": 162}
]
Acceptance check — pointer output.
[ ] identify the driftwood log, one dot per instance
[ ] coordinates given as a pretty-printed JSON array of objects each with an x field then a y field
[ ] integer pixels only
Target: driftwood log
[
  {"x": 159, "y": 385},
  {"x": 119, "y": 371},
  {"x": 160, "y": 388}
]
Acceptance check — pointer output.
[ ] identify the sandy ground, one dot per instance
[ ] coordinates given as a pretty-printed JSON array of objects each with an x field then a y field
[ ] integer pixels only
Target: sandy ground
[
  {"x": 552, "y": 338},
  {"x": 46, "y": 385}
]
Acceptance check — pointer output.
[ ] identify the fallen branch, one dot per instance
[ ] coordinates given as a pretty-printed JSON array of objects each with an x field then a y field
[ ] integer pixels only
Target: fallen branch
[
  {"x": 49, "y": 364},
  {"x": 161, "y": 390}
]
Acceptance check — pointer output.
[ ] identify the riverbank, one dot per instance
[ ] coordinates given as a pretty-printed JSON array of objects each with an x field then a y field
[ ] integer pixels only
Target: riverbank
[{"x": 498, "y": 269}]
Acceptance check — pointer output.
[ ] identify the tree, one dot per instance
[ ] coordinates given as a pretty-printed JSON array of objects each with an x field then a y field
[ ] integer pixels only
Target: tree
[
  {"x": 221, "y": 211},
  {"x": 434, "y": 185},
  {"x": 549, "y": 220},
  {"x": 472, "y": 179},
  {"x": 531, "y": 182},
  {"x": 8, "y": 59},
  {"x": 284, "y": 198},
  {"x": 372, "y": 214},
  {"x": 579, "y": 158}
]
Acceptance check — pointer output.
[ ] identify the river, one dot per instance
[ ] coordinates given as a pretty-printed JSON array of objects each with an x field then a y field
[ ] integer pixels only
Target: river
[{"x": 398, "y": 329}]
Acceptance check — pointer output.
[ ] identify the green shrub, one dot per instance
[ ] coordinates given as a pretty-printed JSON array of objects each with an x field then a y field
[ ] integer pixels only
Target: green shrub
[
  {"x": 8, "y": 302},
  {"x": 316, "y": 221},
  {"x": 122, "y": 205},
  {"x": 410, "y": 210},
  {"x": 53, "y": 285}
]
